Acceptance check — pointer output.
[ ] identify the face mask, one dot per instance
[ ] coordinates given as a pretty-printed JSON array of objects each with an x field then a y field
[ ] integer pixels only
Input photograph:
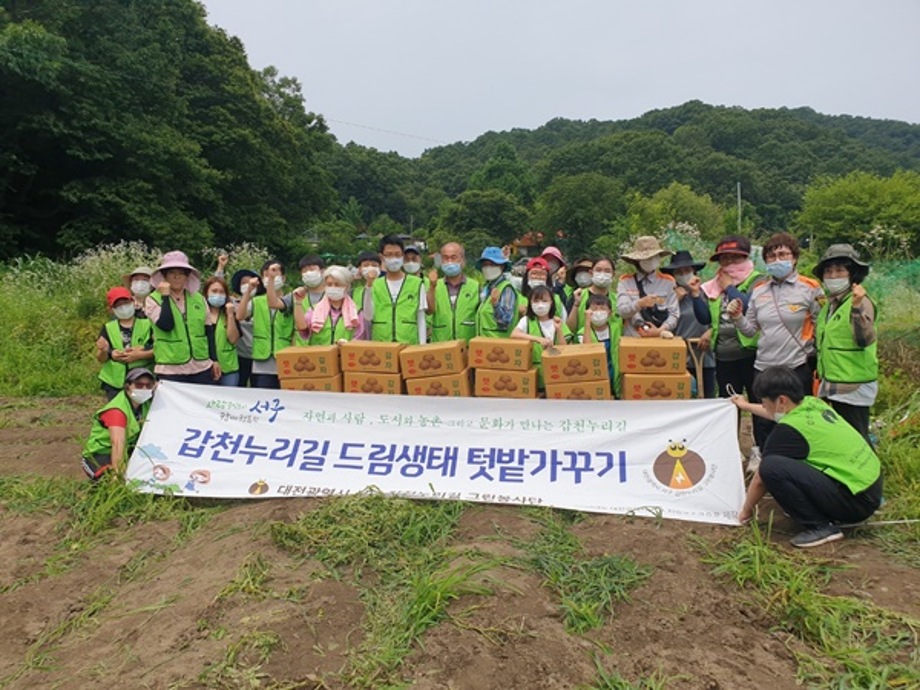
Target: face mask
[
  {"x": 412, "y": 267},
  {"x": 393, "y": 265},
  {"x": 602, "y": 280},
  {"x": 451, "y": 270},
  {"x": 780, "y": 269},
  {"x": 335, "y": 293},
  {"x": 125, "y": 311},
  {"x": 217, "y": 300},
  {"x": 517, "y": 282},
  {"x": 369, "y": 271},
  {"x": 739, "y": 271},
  {"x": 583, "y": 279},
  {"x": 534, "y": 283},
  {"x": 778, "y": 416},
  {"x": 835, "y": 286},
  {"x": 279, "y": 283},
  {"x": 599, "y": 318},
  {"x": 540, "y": 308},
  {"x": 490, "y": 273},
  {"x": 141, "y": 395},
  {"x": 311, "y": 278},
  {"x": 683, "y": 279},
  {"x": 650, "y": 265},
  {"x": 141, "y": 288},
  {"x": 244, "y": 289}
]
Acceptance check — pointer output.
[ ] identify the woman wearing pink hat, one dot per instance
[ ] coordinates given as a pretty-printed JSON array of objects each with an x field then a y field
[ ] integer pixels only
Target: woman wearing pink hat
[{"x": 179, "y": 313}]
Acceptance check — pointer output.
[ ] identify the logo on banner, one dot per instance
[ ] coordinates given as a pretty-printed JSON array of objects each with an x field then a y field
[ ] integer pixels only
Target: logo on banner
[
  {"x": 258, "y": 488},
  {"x": 678, "y": 467}
]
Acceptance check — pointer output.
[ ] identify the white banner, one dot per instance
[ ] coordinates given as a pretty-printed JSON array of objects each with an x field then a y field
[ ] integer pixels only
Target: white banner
[{"x": 676, "y": 459}]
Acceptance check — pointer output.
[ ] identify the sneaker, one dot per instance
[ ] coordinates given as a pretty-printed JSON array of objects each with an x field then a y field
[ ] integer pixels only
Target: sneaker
[
  {"x": 817, "y": 536},
  {"x": 753, "y": 459}
]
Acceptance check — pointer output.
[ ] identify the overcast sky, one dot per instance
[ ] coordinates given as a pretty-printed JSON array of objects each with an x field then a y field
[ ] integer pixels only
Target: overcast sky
[{"x": 406, "y": 75}]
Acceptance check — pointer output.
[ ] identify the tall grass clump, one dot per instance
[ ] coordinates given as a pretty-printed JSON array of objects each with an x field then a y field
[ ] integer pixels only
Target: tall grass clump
[{"x": 53, "y": 312}]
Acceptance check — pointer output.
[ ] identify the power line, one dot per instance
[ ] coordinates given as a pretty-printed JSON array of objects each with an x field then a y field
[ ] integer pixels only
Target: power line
[{"x": 388, "y": 131}]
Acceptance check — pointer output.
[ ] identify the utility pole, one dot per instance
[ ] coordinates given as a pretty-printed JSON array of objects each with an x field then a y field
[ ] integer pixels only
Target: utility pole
[{"x": 739, "y": 208}]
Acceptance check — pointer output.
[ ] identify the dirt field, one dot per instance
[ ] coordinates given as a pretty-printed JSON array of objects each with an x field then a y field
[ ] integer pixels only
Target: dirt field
[{"x": 144, "y": 609}]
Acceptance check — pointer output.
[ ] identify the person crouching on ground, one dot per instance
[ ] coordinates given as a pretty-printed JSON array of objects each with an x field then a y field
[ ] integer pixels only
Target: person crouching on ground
[
  {"x": 117, "y": 425},
  {"x": 819, "y": 469}
]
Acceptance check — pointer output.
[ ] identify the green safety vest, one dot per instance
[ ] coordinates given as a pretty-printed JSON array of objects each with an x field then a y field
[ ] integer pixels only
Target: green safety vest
[
  {"x": 455, "y": 321},
  {"x": 581, "y": 324},
  {"x": 331, "y": 333},
  {"x": 396, "y": 322},
  {"x": 536, "y": 352},
  {"x": 485, "y": 315},
  {"x": 715, "y": 308},
  {"x": 615, "y": 324},
  {"x": 226, "y": 351},
  {"x": 840, "y": 359},
  {"x": 272, "y": 329},
  {"x": 834, "y": 447},
  {"x": 112, "y": 372},
  {"x": 99, "y": 441},
  {"x": 187, "y": 340}
]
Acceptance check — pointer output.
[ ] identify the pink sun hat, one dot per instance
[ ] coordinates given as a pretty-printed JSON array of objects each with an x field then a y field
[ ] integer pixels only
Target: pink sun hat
[{"x": 177, "y": 259}]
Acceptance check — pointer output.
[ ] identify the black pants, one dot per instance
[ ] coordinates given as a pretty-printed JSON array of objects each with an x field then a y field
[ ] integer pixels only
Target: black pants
[
  {"x": 202, "y": 377},
  {"x": 855, "y": 415},
  {"x": 266, "y": 381},
  {"x": 763, "y": 427},
  {"x": 245, "y": 372},
  {"x": 814, "y": 499},
  {"x": 739, "y": 373}
]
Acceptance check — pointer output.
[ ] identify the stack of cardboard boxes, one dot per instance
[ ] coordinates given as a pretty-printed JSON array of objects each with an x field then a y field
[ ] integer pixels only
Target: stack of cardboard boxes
[
  {"x": 503, "y": 368},
  {"x": 310, "y": 369},
  {"x": 371, "y": 367},
  {"x": 437, "y": 369},
  {"x": 654, "y": 369},
  {"x": 576, "y": 372}
]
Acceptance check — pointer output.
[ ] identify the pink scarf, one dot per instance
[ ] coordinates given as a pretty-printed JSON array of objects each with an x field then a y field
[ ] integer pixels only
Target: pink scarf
[
  {"x": 737, "y": 272},
  {"x": 323, "y": 308}
]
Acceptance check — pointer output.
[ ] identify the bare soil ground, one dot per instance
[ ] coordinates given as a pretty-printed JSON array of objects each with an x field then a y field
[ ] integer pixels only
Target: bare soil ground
[{"x": 144, "y": 609}]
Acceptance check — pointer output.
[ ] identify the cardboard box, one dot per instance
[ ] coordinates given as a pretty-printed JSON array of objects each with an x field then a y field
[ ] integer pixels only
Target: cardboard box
[
  {"x": 507, "y": 354},
  {"x": 362, "y": 382},
  {"x": 580, "y": 390},
  {"x": 497, "y": 383},
  {"x": 332, "y": 384},
  {"x": 434, "y": 359},
  {"x": 369, "y": 356},
  {"x": 652, "y": 356},
  {"x": 656, "y": 387},
  {"x": 453, "y": 385},
  {"x": 321, "y": 361},
  {"x": 573, "y": 363}
]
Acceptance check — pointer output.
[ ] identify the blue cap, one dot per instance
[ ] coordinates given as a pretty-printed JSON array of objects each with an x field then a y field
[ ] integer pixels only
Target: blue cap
[{"x": 493, "y": 254}]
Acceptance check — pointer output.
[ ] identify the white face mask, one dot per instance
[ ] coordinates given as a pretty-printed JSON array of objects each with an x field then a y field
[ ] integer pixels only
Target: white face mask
[
  {"x": 279, "y": 283},
  {"x": 141, "y": 395},
  {"x": 244, "y": 289},
  {"x": 778, "y": 416},
  {"x": 125, "y": 311},
  {"x": 311, "y": 279},
  {"x": 393, "y": 264},
  {"x": 601, "y": 280},
  {"x": 490, "y": 273},
  {"x": 583, "y": 279},
  {"x": 412, "y": 267},
  {"x": 650, "y": 265},
  {"x": 835, "y": 286},
  {"x": 599, "y": 318},
  {"x": 141, "y": 288},
  {"x": 540, "y": 308},
  {"x": 370, "y": 272},
  {"x": 335, "y": 293}
]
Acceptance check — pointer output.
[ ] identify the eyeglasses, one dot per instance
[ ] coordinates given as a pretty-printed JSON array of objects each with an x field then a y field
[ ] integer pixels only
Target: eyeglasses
[{"x": 785, "y": 254}]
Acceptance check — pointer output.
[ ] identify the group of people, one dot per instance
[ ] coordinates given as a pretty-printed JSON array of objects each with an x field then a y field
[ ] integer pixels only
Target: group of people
[{"x": 746, "y": 325}]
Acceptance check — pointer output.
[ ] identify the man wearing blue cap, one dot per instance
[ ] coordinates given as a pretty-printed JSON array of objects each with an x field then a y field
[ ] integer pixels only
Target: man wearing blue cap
[{"x": 498, "y": 311}]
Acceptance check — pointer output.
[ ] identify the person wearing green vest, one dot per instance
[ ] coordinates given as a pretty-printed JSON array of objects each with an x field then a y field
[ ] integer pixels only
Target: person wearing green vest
[
  {"x": 272, "y": 316},
  {"x": 818, "y": 468},
  {"x": 368, "y": 267},
  {"x": 117, "y": 425},
  {"x": 454, "y": 299},
  {"x": 395, "y": 303},
  {"x": 603, "y": 325},
  {"x": 538, "y": 272},
  {"x": 500, "y": 305},
  {"x": 223, "y": 331},
  {"x": 125, "y": 342},
  {"x": 846, "y": 338},
  {"x": 334, "y": 319},
  {"x": 542, "y": 326},
  {"x": 178, "y": 312}
]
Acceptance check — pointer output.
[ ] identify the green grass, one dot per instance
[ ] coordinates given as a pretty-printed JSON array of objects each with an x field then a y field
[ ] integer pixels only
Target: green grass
[
  {"x": 588, "y": 588},
  {"x": 612, "y": 680},
  {"x": 852, "y": 642}
]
